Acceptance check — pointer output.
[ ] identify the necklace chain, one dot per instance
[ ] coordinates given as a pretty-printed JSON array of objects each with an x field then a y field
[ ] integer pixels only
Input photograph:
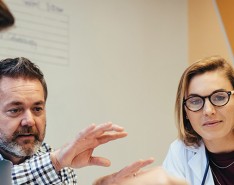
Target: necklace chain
[
  {"x": 215, "y": 176},
  {"x": 222, "y": 167}
]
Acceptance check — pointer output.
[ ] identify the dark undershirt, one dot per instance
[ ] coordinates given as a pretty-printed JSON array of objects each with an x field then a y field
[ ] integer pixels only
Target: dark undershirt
[{"x": 223, "y": 176}]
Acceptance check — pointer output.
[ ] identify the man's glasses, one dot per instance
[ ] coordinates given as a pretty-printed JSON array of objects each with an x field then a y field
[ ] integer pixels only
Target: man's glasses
[{"x": 218, "y": 98}]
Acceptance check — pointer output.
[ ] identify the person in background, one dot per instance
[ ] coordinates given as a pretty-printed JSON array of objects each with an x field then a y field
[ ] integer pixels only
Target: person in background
[
  {"x": 23, "y": 94},
  {"x": 204, "y": 151},
  {"x": 6, "y": 17}
]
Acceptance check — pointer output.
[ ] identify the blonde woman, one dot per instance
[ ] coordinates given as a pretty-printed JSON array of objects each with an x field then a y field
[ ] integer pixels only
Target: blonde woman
[{"x": 204, "y": 152}]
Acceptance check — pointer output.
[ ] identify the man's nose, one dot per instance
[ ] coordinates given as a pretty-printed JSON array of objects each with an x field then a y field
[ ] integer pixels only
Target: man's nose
[{"x": 28, "y": 119}]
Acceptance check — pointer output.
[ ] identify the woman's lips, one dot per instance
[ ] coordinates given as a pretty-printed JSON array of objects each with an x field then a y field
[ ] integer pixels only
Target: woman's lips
[{"x": 211, "y": 123}]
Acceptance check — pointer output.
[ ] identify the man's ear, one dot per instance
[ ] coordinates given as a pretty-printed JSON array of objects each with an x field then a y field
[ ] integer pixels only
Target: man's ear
[{"x": 6, "y": 17}]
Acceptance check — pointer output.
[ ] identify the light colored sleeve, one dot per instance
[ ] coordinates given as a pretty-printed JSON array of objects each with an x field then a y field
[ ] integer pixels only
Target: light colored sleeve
[{"x": 175, "y": 159}]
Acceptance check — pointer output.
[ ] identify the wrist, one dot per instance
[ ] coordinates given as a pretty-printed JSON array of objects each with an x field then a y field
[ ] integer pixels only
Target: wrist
[
  {"x": 55, "y": 162},
  {"x": 105, "y": 180}
]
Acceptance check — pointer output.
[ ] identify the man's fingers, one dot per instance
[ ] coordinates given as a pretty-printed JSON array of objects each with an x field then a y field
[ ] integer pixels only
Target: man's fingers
[
  {"x": 93, "y": 130},
  {"x": 95, "y": 135},
  {"x": 86, "y": 131},
  {"x": 134, "y": 168},
  {"x": 100, "y": 129},
  {"x": 117, "y": 128},
  {"x": 147, "y": 162},
  {"x": 99, "y": 161},
  {"x": 111, "y": 136},
  {"x": 139, "y": 164},
  {"x": 106, "y": 127}
]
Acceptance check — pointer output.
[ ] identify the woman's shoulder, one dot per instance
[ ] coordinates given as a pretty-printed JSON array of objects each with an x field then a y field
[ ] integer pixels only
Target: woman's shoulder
[
  {"x": 179, "y": 146},
  {"x": 179, "y": 154}
]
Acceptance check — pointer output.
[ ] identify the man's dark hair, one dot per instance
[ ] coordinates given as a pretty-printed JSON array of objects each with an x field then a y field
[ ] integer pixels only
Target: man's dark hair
[{"x": 22, "y": 68}]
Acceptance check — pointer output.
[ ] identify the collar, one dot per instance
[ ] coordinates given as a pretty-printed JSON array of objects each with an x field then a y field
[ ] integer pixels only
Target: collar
[{"x": 198, "y": 161}]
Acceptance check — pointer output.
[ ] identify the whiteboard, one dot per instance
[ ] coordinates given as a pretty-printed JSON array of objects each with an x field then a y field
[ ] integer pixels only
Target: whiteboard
[{"x": 40, "y": 32}]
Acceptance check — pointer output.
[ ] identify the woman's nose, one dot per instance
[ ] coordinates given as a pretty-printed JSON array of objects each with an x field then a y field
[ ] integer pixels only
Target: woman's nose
[{"x": 208, "y": 108}]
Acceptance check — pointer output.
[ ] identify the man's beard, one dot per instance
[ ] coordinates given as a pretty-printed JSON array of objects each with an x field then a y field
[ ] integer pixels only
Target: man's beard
[{"x": 12, "y": 147}]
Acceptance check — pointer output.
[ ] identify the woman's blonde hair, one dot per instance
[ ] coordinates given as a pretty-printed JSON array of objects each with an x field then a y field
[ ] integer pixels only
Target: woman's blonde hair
[{"x": 214, "y": 63}]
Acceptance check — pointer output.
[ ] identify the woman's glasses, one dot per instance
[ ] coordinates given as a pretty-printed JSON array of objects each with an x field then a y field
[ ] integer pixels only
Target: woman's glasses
[{"x": 217, "y": 98}]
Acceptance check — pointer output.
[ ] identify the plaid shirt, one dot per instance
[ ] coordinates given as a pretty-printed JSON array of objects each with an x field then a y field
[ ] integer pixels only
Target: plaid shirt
[{"x": 38, "y": 170}]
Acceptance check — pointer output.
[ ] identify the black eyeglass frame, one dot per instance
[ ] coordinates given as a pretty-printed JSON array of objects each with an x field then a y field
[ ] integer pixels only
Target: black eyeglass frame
[{"x": 229, "y": 93}]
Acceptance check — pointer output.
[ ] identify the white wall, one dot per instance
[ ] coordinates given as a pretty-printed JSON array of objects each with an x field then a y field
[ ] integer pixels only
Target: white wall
[
  {"x": 126, "y": 58},
  {"x": 125, "y": 61}
]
